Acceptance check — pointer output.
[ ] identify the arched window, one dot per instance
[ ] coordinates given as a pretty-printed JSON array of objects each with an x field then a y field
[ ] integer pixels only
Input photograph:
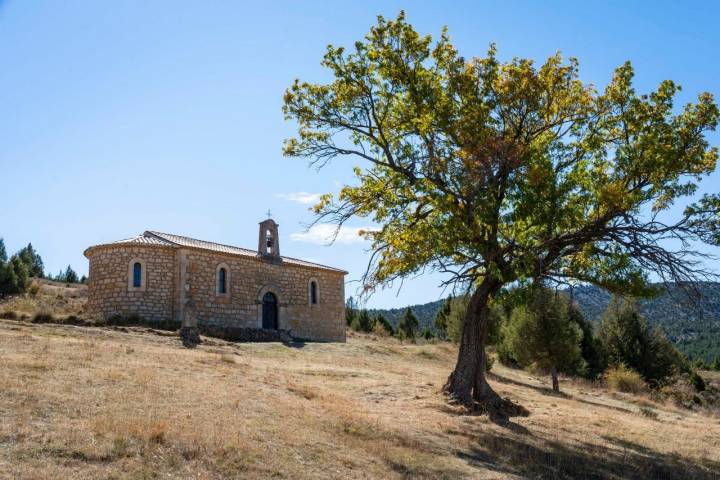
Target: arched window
[
  {"x": 222, "y": 279},
  {"x": 313, "y": 293},
  {"x": 137, "y": 275}
]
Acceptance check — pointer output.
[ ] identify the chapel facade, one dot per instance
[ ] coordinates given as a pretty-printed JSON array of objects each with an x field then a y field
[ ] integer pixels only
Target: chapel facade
[{"x": 160, "y": 277}]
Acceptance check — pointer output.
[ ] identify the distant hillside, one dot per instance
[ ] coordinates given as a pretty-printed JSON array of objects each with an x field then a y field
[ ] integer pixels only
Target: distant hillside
[
  {"x": 425, "y": 314},
  {"x": 693, "y": 326}
]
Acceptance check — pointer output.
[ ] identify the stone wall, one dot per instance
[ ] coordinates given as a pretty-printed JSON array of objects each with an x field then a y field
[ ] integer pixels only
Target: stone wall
[
  {"x": 108, "y": 288},
  {"x": 175, "y": 276},
  {"x": 249, "y": 279}
]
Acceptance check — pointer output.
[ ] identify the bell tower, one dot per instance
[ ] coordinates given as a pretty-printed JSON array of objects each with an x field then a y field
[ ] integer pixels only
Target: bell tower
[{"x": 268, "y": 241}]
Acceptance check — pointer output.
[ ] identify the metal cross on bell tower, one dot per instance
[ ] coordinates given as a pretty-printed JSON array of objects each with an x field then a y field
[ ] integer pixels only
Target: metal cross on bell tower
[{"x": 269, "y": 213}]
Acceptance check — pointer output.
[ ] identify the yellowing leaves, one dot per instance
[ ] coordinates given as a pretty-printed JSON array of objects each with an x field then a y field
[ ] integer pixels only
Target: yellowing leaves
[
  {"x": 491, "y": 167},
  {"x": 613, "y": 196}
]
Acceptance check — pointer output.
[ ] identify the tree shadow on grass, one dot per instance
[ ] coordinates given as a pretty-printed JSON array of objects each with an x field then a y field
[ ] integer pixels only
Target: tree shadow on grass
[
  {"x": 544, "y": 390},
  {"x": 549, "y": 392},
  {"x": 535, "y": 457},
  {"x": 520, "y": 452},
  {"x": 501, "y": 420}
]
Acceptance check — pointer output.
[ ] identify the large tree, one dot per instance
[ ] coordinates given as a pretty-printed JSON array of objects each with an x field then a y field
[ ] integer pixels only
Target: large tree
[{"x": 497, "y": 172}]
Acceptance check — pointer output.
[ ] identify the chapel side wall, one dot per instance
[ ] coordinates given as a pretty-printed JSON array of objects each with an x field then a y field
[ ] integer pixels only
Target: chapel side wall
[
  {"x": 249, "y": 279},
  {"x": 108, "y": 290},
  {"x": 325, "y": 320}
]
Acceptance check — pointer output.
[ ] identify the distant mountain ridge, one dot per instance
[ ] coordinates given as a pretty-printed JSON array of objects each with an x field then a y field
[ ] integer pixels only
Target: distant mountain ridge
[{"x": 693, "y": 326}]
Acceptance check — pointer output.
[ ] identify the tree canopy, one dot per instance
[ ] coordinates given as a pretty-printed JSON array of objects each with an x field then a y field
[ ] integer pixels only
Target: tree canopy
[{"x": 496, "y": 172}]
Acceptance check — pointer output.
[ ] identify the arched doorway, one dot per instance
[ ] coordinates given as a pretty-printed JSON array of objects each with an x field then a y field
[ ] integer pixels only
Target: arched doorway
[{"x": 269, "y": 311}]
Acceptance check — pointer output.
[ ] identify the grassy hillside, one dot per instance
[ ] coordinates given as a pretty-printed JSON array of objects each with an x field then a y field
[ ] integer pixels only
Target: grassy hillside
[
  {"x": 130, "y": 402},
  {"x": 694, "y": 326},
  {"x": 88, "y": 402}
]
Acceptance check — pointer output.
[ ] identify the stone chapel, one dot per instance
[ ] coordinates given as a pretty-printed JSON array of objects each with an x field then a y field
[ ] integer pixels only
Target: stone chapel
[{"x": 160, "y": 277}]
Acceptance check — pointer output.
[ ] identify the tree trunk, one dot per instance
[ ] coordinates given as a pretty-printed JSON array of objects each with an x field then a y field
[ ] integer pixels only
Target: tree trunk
[
  {"x": 555, "y": 383},
  {"x": 467, "y": 383}
]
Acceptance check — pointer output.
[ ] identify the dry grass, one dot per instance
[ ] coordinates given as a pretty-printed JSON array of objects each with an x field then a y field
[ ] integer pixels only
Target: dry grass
[
  {"x": 60, "y": 299},
  {"x": 80, "y": 402}
]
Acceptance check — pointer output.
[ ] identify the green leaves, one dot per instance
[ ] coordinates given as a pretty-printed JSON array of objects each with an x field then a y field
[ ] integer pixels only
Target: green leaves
[
  {"x": 480, "y": 167},
  {"x": 703, "y": 219},
  {"x": 541, "y": 332}
]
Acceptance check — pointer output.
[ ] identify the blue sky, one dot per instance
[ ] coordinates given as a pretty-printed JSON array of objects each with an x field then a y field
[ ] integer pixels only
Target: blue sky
[{"x": 122, "y": 116}]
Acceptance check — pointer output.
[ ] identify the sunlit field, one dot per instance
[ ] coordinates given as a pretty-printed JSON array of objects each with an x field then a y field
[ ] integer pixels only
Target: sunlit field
[{"x": 89, "y": 402}]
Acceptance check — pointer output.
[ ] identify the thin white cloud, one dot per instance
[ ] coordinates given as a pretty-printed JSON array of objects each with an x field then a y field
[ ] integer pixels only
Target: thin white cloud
[
  {"x": 322, "y": 234},
  {"x": 303, "y": 198}
]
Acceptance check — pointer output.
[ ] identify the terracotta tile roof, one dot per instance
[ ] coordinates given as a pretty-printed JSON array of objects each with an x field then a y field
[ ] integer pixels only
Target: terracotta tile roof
[
  {"x": 195, "y": 243},
  {"x": 143, "y": 239},
  {"x": 170, "y": 240}
]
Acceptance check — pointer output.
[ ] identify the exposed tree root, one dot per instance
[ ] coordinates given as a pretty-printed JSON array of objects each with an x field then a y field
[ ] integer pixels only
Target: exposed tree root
[{"x": 490, "y": 404}]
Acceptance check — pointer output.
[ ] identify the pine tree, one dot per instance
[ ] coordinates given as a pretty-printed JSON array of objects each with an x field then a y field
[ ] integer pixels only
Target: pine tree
[
  {"x": 3, "y": 251},
  {"x": 364, "y": 321},
  {"x": 592, "y": 362},
  {"x": 441, "y": 319},
  {"x": 350, "y": 311},
  {"x": 32, "y": 260},
  {"x": 408, "y": 325},
  {"x": 14, "y": 277},
  {"x": 626, "y": 338},
  {"x": 70, "y": 275},
  {"x": 542, "y": 334},
  {"x": 8, "y": 279},
  {"x": 387, "y": 326},
  {"x": 22, "y": 273},
  {"x": 83, "y": 279}
]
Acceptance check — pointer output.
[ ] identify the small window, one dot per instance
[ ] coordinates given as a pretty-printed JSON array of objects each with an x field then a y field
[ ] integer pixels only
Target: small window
[
  {"x": 313, "y": 293},
  {"x": 222, "y": 281},
  {"x": 137, "y": 275}
]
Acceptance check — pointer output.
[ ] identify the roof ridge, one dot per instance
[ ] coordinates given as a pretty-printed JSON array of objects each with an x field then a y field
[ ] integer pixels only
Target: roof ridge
[
  {"x": 183, "y": 241},
  {"x": 159, "y": 235},
  {"x": 308, "y": 261}
]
